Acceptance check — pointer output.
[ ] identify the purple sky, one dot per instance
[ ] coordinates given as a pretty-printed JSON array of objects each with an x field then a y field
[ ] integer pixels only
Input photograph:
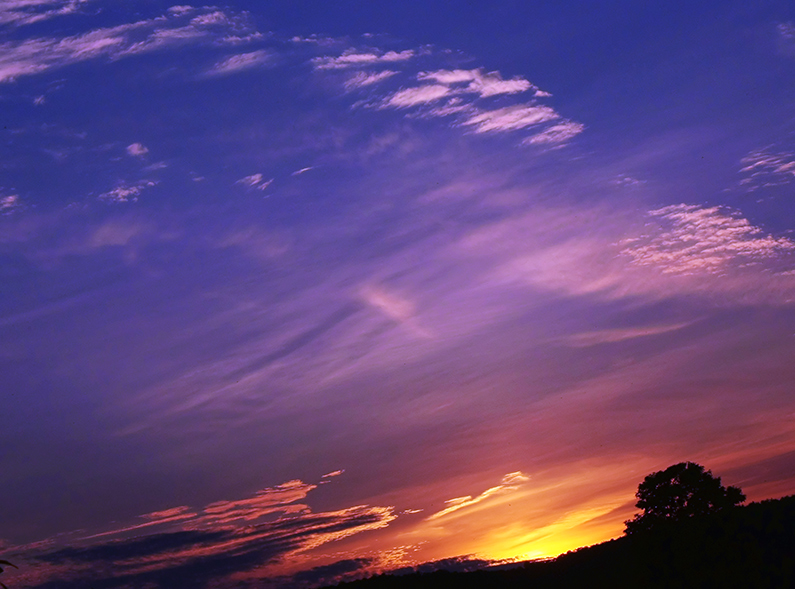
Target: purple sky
[{"x": 303, "y": 291}]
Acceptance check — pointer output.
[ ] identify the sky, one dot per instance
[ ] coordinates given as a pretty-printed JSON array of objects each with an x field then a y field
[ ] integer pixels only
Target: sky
[{"x": 297, "y": 292}]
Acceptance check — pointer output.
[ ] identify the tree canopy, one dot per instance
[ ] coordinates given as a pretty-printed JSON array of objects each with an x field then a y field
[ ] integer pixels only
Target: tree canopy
[{"x": 680, "y": 491}]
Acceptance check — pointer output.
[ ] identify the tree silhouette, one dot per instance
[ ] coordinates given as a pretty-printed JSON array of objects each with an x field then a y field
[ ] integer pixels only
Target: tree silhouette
[
  {"x": 6, "y": 563},
  {"x": 679, "y": 492}
]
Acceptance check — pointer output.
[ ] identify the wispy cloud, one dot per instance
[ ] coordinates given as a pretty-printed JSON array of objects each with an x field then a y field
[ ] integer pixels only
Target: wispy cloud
[
  {"x": 36, "y": 55},
  {"x": 125, "y": 192},
  {"x": 786, "y": 38},
  {"x": 510, "y": 482},
  {"x": 354, "y": 58},
  {"x": 511, "y": 118},
  {"x": 414, "y": 96},
  {"x": 255, "y": 181},
  {"x": 698, "y": 239},
  {"x": 253, "y": 535},
  {"x": 556, "y": 134},
  {"x": 9, "y": 203},
  {"x": 362, "y": 79},
  {"x": 302, "y": 171},
  {"x": 475, "y": 81},
  {"x": 396, "y": 307},
  {"x": 763, "y": 169},
  {"x": 240, "y": 62},
  {"x": 682, "y": 249},
  {"x": 465, "y": 95},
  {"x": 137, "y": 149},
  {"x": 610, "y": 336},
  {"x": 25, "y": 12},
  {"x": 181, "y": 9}
]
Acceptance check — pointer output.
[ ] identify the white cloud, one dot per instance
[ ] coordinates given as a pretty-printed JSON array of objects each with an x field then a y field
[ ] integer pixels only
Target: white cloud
[
  {"x": 763, "y": 169},
  {"x": 490, "y": 84},
  {"x": 36, "y": 55},
  {"x": 255, "y": 181},
  {"x": 354, "y": 58},
  {"x": 127, "y": 192},
  {"x": 414, "y": 96},
  {"x": 362, "y": 79},
  {"x": 243, "y": 61},
  {"x": 510, "y": 482},
  {"x": 511, "y": 118},
  {"x": 252, "y": 180},
  {"x": 454, "y": 106},
  {"x": 302, "y": 171},
  {"x": 39, "y": 100},
  {"x": 612, "y": 254},
  {"x": 136, "y": 149},
  {"x": 556, "y": 134},
  {"x": 213, "y": 18},
  {"x": 9, "y": 203},
  {"x": 25, "y": 12},
  {"x": 625, "y": 180},
  {"x": 181, "y": 9},
  {"x": 698, "y": 239}
]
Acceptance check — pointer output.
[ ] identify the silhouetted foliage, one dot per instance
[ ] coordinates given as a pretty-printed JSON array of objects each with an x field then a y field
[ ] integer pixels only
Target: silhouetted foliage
[
  {"x": 2, "y": 564},
  {"x": 679, "y": 492},
  {"x": 749, "y": 546}
]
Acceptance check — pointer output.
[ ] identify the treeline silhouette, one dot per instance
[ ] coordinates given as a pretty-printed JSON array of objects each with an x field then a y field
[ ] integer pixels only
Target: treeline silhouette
[{"x": 743, "y": 546}]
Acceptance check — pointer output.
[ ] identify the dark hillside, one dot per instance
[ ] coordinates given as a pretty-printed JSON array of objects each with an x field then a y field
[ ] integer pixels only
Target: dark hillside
[{"x": 750, "y": 546}]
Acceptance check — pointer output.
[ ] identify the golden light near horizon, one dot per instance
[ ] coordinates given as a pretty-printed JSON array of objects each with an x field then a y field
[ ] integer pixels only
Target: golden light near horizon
[{"x": 311, "y": 294}]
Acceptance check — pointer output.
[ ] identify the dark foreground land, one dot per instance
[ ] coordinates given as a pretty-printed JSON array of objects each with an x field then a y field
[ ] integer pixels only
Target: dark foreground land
[{"x": 751, "y": 546}]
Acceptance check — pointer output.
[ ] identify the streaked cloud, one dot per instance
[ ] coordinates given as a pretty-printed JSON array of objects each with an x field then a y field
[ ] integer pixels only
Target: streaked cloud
[
  {"x": 511, "y": 118},
  {"x": 25, "y": 12},
  {"x": 125, "y": 192},
  {"x": 461, "y": 94},
  {"x": 396, "y": 307},
  {"x": 281, "y": 498},
  {"x": 510, "y": 482},
  {"x": 764, "y": 169},
  {"x": 786, "y": 38},
  {"x": 9, "y": 203},
  {"x": 181, "y": 9},
  {"x": 610, "y": 336},
  {"x": 362, "y": 79},
  {"x": 475, "y": 81},
  {"x": 255, "y": 181},
  {"x": 354, "y": 58},
  {"x": 556, "y": 134},
  {"x": 240, "y": 62},
  {"x": 699, "y": 239},
  {"x": 414, "y": 96},
  {"x": 39, "y": 54},
  {"x": 676, "y": 250},
  {"x": 255, "y": 536}
]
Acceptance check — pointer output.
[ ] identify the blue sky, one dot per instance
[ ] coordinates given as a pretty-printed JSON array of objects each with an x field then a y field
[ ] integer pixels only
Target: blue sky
[{"x": 295, "y": 292}]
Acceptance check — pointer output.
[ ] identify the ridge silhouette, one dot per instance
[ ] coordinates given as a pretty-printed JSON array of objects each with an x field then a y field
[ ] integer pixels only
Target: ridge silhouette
[{"x": 703, "y": 539}]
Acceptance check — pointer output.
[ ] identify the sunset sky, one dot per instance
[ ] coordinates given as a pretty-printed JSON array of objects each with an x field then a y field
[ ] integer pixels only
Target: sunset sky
[{"x": 297, "y": 291}]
